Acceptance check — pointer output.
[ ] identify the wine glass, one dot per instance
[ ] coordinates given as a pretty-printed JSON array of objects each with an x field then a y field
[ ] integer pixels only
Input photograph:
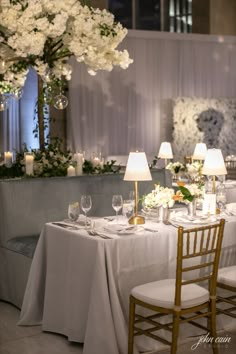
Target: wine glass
[
  {"x": 86, "y": 205},
  {"x": 73, "y": 211},
  {"x": 117, "y": 204},
  {"x": 128, "y": 207}
]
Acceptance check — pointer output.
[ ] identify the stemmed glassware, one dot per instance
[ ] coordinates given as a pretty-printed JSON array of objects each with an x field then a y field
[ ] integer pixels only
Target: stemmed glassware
[
  {"x": 86, "y": 205},
  {"x": 73, "y": 211},
  {"x": 128, "y": 208},
  {"x": 117, "y": 204}
]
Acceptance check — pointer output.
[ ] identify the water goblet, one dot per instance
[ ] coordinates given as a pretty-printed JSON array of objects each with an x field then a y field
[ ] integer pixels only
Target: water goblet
[
  {"x": 73, "y": 211},
  {"x": 128, "y": 207},
  {"x": 86, "y": 205},
  {"x": 117, "y": 204},
  {"x": 221, "y": 200}
]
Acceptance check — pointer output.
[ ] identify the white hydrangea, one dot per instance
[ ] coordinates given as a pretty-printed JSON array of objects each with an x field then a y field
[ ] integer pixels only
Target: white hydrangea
[{"x": 160, "y": 196}]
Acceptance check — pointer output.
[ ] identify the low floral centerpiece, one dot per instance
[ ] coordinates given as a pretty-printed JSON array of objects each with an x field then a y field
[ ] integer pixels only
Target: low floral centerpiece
[
  {"x": 194, "y": 171},
  {"x": 160, "y": 198},
  {"x": 189, "y": 194},
  {"x": 176, "y": 169}
]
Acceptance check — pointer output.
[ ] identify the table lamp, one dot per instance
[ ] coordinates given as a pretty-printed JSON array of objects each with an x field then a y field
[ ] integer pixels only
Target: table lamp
[
  {"x": 214, "y": 165},
  {"x": 165, "y": 152},
  {"x": 137, "y": 170},
  {"x": 199, "y": 151}
]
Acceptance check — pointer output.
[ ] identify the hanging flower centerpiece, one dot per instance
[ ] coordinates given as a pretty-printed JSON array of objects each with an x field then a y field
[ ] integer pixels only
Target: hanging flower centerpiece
[{"x": 43, "y": 35}]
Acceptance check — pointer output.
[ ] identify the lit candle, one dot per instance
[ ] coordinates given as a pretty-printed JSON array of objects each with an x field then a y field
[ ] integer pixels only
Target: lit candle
[
  {"x": 96, "y": 162},
  {"x": 29, "y": 164},
  {"x": 70, "y": 171},
  {"x": 8, "y": 158},
  {"x": 78, "y": 157}
]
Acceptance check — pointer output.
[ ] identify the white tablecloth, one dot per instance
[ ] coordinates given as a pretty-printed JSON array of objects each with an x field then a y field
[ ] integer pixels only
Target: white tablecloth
[
  {"x": 230, "y": 191},
  {"x": 79, "y": 285}
]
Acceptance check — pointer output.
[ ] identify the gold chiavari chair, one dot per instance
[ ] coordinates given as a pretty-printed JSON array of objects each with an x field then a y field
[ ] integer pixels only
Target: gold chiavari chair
[
  {"x": 198, "y": 253},
  {"x": 227, "y": 281}
]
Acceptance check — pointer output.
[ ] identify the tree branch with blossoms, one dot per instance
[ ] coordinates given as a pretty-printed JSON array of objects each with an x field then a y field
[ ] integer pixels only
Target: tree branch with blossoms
[{"x": 44, "y": 34}]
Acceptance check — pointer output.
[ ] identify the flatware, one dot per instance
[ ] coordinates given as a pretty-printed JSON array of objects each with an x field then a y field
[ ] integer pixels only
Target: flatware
[
  {"x": 66, "y": 226},
  {"x": 95, "y": 233}
]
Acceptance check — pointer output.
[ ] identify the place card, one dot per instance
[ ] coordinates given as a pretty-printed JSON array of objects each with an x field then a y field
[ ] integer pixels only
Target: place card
[{"x": 209, "y": 204}]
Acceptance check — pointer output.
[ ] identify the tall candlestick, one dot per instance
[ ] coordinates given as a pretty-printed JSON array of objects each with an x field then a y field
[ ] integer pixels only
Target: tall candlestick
[
  {"x": 29, "y": 164},
  {"x": 8, "y": 158}
]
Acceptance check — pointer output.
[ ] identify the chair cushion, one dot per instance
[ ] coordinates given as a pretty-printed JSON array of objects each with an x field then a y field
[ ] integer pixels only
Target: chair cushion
[
  {"x": 24, "y": 245},
  {"x": 227, "y": 276},
  {"x": 162, "y": 293}
]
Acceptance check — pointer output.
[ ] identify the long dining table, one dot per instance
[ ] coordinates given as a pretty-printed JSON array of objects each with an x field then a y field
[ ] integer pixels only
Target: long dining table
[{"x": 79, "y": 284}]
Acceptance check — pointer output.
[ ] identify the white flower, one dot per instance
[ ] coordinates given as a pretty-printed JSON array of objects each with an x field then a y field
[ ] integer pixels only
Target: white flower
[
  {"x": 46, "y": 33},
  {"x": 160, "y": 196}
]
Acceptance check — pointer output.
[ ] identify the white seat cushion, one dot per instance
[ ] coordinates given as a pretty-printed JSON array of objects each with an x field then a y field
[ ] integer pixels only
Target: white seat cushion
[
  {"x": 227, "y": 276},
  {"x": 162, "y": 293}
]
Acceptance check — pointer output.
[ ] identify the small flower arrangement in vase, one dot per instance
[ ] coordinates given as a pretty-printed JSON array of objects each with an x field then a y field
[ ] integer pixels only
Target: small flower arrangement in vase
[
  {"x": 189, "y": 194},
  {"x": 194, "y": 171},
  {"x": 160, "y": 199},
  {"x": 176, "y": 169}
]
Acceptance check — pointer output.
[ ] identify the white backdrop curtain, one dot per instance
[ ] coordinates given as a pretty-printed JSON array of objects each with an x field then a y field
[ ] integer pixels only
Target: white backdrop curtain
[
  {"x": 10, "y": 127},
  {"x": 132, "y": 109}
]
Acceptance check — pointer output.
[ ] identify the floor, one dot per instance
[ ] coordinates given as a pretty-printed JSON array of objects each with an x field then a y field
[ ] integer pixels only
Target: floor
[{"x": 30, "y": 340}]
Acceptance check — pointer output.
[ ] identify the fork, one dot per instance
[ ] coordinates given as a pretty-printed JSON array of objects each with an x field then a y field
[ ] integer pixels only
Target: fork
[{"x": 94, "y": 233}]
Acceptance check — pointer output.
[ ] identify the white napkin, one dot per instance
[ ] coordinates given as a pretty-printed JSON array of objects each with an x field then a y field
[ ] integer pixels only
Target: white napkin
[
  {"x": 121, "y": 229},
  {"x": 231, "y": 208},
  {"x": 151, "y": 226},
  {"x": 81, "y": 220}
]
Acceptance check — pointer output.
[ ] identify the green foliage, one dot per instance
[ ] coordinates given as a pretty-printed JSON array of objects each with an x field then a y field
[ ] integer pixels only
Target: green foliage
[{"x": 186, "y": 194}]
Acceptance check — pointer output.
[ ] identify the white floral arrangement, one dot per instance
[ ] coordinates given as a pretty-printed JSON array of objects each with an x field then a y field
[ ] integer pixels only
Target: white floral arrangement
[
  {"x": 44, "y": 34},
  {"x": 188, "y": 192},
  {"x": 160, "y": 196},
  {"x": 175, "y": 167},
  {"x": 194, "y": 168}
]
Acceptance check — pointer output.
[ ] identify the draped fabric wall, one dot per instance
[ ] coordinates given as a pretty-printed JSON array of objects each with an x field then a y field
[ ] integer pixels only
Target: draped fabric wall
[
  {"x": 10, "y": 127},
  {"x": 132, "y": 109}
]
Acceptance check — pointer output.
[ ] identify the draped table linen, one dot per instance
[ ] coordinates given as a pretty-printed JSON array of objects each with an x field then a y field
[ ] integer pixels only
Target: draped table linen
[{"x": 79, "y": 285}]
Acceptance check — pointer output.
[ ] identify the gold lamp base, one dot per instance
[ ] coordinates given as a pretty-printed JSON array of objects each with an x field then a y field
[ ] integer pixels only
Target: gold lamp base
[{"x": 137, "y": 220}]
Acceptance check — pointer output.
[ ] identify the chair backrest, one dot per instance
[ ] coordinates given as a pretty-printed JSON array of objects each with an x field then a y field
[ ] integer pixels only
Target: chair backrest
[{"x": 200, "y": 248}]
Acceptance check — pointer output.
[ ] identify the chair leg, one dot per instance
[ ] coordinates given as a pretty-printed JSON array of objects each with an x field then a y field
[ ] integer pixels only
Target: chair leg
[
  {"x": 131, "y": 325},
  {"x": 175, "y": 333},
  {"x": 213, "y": 326}
]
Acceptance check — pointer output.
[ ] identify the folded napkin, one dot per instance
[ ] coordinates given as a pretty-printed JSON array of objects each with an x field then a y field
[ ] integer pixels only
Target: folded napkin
[
  {"x": 121, "y": 229},
  {"x": 151, "y": 226},
  {"x": 82, "y": 219},
  {"x": 180, "y": 217},
  {"x": 231, "y": 208},
  {"x": 230, "y": 181}
]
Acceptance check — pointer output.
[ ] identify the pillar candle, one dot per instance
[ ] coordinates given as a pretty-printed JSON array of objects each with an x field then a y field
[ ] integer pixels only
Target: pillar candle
[
  {"x": 70, "y": 171},
  {"x": 96, "y": 162},
  {"x": 29, "y": 164},
  {"x": 8, "y": 158},
  {"x": 78, "y": 157}
]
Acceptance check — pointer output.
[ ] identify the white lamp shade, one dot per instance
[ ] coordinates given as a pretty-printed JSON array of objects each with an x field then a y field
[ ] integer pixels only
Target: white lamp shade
[
  {"x": 137, "y": 167},
  {"x": 165, "y": 151},
  {"x": 200, "y": 151},
  {"x": 214, "y": 163}
]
